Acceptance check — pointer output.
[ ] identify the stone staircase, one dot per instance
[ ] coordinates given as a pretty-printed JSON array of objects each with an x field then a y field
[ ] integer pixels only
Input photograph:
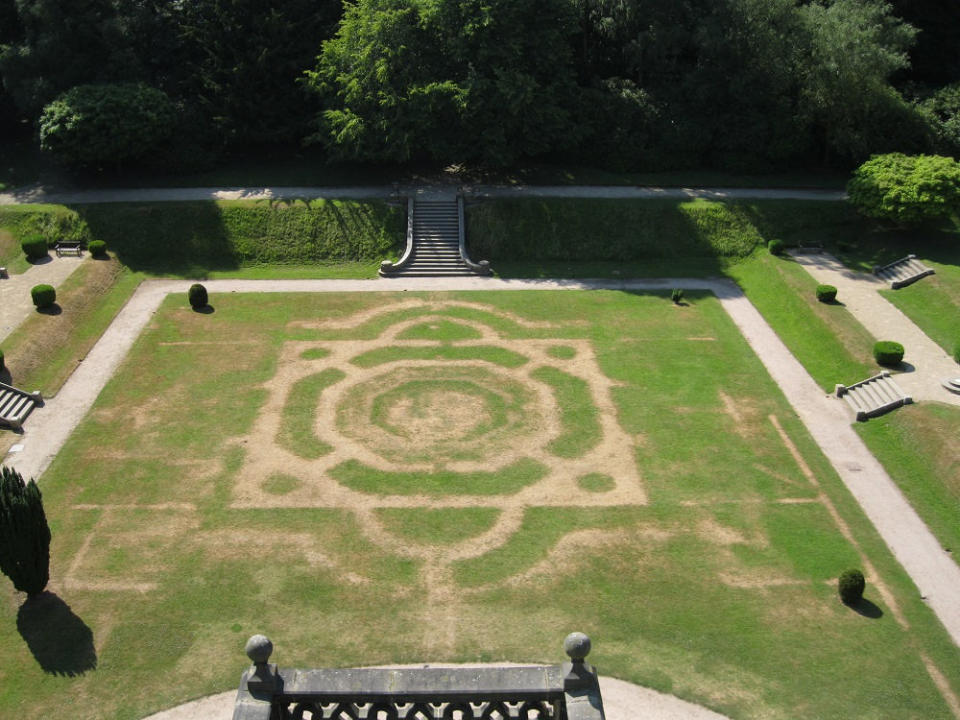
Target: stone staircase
[
  {"x": 902, "y": 272},
  {"x": 15, "y": 405},
  {"x": 435, "y": 242},
  {"x": 873, "y": 396}
]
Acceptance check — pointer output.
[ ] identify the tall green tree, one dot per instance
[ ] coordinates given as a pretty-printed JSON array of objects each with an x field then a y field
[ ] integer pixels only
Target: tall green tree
[{"x": 24, "y": 533}]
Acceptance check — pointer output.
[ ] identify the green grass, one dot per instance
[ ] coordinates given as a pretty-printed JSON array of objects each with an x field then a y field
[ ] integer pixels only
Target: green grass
[
  {"x": 339, "y": 238},
  {"x": 578, "y": 414},
  {"x": 715, "y": 590},
  {"x": 918, "y": 447},
  {"x": 824, "y": 337},
  {"x": 296, "y": 427},
  {"x": 495, "y": 355},
  {"x": 510, "y": 479},
  {"x": 934, "y": 305},
  {"x": 441, "y": 526}
]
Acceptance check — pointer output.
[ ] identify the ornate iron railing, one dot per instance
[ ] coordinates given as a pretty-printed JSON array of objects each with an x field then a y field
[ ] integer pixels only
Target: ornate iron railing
[{"x": 569, "y": 691}]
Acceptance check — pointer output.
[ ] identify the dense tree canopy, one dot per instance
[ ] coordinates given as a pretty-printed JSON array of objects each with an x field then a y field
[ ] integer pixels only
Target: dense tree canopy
[
  {"x": 906, "y": 190},
  {"x": 630, "y": 84}
]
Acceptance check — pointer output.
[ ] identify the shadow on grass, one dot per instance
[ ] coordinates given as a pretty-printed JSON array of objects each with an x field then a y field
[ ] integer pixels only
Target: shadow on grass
[
  {"x": 45, "y": 260},
  {"x": 5, "y": 377},
  {"x": 205, "y": 310},
  {"x": 61, "y": 642},
  {"x": 54, "y": 309},
  {"x": 867, "y": 609}
]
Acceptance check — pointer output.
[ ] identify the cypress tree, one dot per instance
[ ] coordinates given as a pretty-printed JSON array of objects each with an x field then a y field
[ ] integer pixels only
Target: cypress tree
[{"x": 24, "y": 533}]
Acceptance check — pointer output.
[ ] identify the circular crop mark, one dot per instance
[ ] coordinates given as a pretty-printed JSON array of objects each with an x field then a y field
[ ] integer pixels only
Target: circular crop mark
[
  {"x": 596, "y": 482},
  {"x": 439, "y": 414}
]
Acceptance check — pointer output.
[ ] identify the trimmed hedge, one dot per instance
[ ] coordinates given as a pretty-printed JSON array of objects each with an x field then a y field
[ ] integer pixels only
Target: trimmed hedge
[
  {"x": 34, "y": 246},
  {"x": 888, "y": 352},
  {"x": 776, "y": 247},
  {"x": 826, "y": 293},
  {"x": 97, "y": 248},
  {"x": 851, "y": 586},
  {"x": 197, "y": 295},
  {"x": 43, "y": 296}
]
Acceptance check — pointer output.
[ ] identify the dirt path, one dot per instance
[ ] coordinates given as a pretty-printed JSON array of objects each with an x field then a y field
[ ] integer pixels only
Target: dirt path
[
  {"x": 41, "y": 195},
  {"x": 15, "y": 301},
  {"x": 826, "y": 418},
  {"x": 926, "y": 362}
]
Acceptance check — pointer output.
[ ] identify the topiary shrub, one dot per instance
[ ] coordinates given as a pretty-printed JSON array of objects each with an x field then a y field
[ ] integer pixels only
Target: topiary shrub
[
  {"x": 887, "y": 352},
  {"x": 97, "y": 248},
  {"x": 677, "y": 295},
  {"x": 776, "y": 247},
  {"x": 826, "y": 293},
  {"x": 851, "y": 586},
  {"x": 24, "y": 533},
  {"x": 2, "y": 366},
  {"x": 43, "y": 296},
  {"x": 197, "y": 295},
  {"x": 34, "y": 247}
]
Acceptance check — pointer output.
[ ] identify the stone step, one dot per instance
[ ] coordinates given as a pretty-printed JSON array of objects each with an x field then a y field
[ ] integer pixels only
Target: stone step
[
  {"x": 903, "y": 272},
  {"x": 874, "y": 396},
  {"x": 15, "y": 405}
]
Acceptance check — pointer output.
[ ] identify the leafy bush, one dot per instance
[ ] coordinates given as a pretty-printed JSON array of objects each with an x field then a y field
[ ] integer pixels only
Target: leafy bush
[
  {"x": 906, "y": 189},
  {"x": 197, "y": 295},
  {"x": 677, "y": 295},
  {"x": 43, "y": 296},
  {"x": 851, "y": 586},
  {"x": 24, "y": 533},
  {"x": 776, "y": 247},
  {"x": 97, "y": 125},
  {"x": 97, "y": 248},
  {"x": 34, "y": 246},
  {"x": 887, "y": 352},
  {"x": 826, "y": 293}
]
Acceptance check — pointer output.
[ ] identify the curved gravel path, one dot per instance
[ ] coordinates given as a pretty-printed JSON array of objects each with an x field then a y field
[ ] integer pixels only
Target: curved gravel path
[
  {"x": 42, "y": 195},
  {"x": 621, "y": 701}
]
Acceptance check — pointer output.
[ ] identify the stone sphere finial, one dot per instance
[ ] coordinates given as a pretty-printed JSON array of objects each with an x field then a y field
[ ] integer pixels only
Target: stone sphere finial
[
  {"x": 576, "y": 646},
  {"x": 259, "y": 649}
]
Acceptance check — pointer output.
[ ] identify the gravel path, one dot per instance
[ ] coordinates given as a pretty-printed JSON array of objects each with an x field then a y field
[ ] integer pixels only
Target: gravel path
[
  {"x": 926, "y": 362},
  {"x": 621, "y": 701},
  {"x": 15, "y": 301},
  {"x": 40, "y": 195}
]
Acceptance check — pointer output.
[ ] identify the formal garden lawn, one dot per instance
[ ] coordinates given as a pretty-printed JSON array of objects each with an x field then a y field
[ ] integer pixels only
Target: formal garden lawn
[{"x": 403, "y": 477}]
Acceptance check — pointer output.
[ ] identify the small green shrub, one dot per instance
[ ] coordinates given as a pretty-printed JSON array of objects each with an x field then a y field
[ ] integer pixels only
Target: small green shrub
[
  {"x": 851, "y": 586},
  {"x": 956, "y": 352},
  {"x": 97, "y": 248},
  {"x": 43, "y": 296},
  {"x": 887, "y": 352},
  {"x": 826, "y": 293},
  {"x": 2, "y": 366},
  {"x": 34, "y": 247},
  {"x": 197, "y": 295},
  {"x": 677, "y": 295},
  {"x": 776, "y": 247}
]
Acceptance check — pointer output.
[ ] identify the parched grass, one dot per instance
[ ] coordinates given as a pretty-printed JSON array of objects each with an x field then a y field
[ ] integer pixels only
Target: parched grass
[
  {"x": 440, "y": 331},
  {"x": 513, "y": 478},
  {"x": 296, "y": 427},
  {"x": 45, "y": 349},
  {"x": 491, "y": 354},
  {"x": 440, "y": 526},
  {"x": 918, "y": 447},
  {"x": 721, "y": 590},
  {"x": 825, "y": 338},
  {"x": 578, "y": 415}
]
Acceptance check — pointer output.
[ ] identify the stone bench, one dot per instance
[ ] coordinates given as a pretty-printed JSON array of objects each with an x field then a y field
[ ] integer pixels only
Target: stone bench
[{"x": 569, "y": 691}]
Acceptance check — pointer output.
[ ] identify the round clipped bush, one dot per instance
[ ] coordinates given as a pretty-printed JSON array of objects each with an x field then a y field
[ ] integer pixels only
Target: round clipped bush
[
  {"x": 887, "y": 352},
  {"x": 851, "y": 586},
  {"x": 776, "y": 247},
  {"x": 34, "y": 247},
  {"x": 197, "y": 296},
  {"x": 2, "y": 366},
  {"x": 826, "y": 293},
  {"x": 97, "y": 248},
  {"x": 43, "y": 296}
]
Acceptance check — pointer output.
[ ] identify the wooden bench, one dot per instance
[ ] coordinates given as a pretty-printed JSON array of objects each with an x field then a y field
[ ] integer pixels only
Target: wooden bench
[{"x": 68, "y": 248}]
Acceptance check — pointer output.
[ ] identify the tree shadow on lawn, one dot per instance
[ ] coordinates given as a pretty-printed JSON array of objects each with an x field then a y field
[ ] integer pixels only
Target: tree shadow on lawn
[{"x": 61, "y": 642}]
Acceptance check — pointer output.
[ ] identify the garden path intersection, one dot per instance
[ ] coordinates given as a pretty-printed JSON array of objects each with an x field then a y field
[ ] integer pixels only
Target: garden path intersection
[{"x": 933, "y": 571}]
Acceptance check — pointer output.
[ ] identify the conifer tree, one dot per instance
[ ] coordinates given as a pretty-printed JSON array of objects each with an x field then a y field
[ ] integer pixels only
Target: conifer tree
[{"x": 24, "y": 533}]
